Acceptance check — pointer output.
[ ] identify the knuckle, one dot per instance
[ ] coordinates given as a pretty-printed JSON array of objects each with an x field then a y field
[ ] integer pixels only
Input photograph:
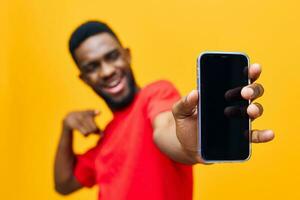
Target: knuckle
[
  {"x": 259, "y": 86},
  {"x": 89, "y": 112},
  {"x": 69, "y": 116},
  {"x": 258, "y": 89},
  {"x": 74, "y": 115},
  {"x": 260, "y": 107},
  {"x": 254, "y": 136},
  {"x": 258, "y": 104}
]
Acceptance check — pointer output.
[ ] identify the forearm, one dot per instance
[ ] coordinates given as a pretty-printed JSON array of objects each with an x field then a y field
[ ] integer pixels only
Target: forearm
[
  {"x": 64, "y": 164},
  {"x": 168, "y": 143},
  {"x": 166, "y": 140}
]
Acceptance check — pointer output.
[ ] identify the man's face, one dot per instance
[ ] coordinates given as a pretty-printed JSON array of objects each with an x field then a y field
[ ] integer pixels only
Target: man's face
[{"x": 105, "y": 66}]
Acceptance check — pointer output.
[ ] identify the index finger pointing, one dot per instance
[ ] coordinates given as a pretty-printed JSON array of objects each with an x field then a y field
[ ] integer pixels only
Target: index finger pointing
[{"x": 92, "y": 112}]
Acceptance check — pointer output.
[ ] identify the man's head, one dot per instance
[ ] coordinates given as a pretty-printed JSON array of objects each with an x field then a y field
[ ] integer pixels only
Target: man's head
[{"x": 103, "y": 63}]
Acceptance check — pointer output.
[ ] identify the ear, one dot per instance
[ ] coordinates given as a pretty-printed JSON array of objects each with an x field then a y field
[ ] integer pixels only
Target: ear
[
  {"x": 128, "y": 54},
  {"x": 83, "y": 78}
]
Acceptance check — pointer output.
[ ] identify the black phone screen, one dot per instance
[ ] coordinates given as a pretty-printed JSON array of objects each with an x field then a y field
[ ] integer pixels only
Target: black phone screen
[{"x": 224, "y": 123}]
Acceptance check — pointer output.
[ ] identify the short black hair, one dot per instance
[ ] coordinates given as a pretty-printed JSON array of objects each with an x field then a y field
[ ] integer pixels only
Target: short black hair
[{"x": 86, "y": 30}]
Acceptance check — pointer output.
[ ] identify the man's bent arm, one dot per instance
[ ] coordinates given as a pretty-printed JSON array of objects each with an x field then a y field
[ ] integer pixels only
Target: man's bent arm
[{"x": 65, "y": 181}]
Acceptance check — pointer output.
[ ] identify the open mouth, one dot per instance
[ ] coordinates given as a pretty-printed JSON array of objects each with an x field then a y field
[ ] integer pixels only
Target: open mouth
[{"x": 116, "y": 86}]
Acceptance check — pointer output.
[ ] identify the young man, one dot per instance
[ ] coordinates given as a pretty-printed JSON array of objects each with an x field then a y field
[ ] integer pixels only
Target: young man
[{"x": 147, "y": 150}]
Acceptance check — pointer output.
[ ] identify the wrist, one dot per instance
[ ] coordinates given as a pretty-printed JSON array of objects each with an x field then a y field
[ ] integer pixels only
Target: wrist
[
  {"x": 193, "y": 156},
  {"x": 66, "y": 136},
  {"x": 66, "y": 129}
]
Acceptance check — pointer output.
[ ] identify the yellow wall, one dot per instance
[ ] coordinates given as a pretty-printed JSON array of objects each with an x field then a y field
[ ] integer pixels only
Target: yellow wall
[{"x": 39, "y": 83}]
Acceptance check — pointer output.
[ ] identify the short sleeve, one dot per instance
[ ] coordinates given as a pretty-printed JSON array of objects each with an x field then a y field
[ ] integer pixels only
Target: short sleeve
[
  {"x": 162, "y": 96},
  {"x": 84, "y": 170}
]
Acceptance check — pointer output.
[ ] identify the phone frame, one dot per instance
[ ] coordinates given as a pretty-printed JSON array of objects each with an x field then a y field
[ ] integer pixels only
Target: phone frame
[{"x": 199, "y": 106}]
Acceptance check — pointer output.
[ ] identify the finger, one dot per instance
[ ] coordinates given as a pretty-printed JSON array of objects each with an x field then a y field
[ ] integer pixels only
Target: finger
[
  {"x": 78, "y": 125},
  {"x": 83, "y": 130},
  {"x": 92, "y": 126},
  {"x": 260, "y": 136},
  {"x": 235, "y": 111},
  {"x": 254, "y": 71},
  {"x": 255, "y": 110},
  {"x": 186, "y": 106},
  {"x": 83, "y": 125},
  {"x": 88, "y": 131},
  {"x": 92, "y": 112},
  {"x": 86, "y": 122},
  {"x": 233, "y": 94},
  {"x": 252, "y": 91}
]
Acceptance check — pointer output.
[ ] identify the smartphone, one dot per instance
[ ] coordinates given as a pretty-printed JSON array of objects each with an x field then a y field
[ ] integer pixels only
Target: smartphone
[{"x": 223, "y": 123}]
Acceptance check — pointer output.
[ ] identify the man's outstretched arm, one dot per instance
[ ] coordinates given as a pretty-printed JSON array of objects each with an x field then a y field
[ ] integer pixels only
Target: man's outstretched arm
[{"x": 175, "y": 133}]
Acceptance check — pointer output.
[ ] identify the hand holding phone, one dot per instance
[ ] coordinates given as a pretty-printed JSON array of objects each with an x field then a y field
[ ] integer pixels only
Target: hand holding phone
[{"x": 188, "y": 116}]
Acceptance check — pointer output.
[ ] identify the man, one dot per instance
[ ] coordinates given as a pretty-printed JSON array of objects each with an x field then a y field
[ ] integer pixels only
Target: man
[{"x": 147, "y": 150}]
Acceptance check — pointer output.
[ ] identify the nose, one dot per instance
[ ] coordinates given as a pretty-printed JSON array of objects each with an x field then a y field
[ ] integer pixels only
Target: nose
[{"x": 107, "y": 71}]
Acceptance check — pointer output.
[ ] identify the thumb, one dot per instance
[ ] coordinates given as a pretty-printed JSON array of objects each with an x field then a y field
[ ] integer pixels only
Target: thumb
[
  {"x": 96, "y": 112},
  {"x": 186, "y": 106},
  {"x": 93, "y": 112}
]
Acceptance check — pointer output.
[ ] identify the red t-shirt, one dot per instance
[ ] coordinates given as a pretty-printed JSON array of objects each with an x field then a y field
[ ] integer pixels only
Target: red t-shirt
[{"x": 126, "y": 164}]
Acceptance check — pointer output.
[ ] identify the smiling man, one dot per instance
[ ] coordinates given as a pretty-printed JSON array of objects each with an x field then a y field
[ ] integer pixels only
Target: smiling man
[{"x": 147, "y": 150}]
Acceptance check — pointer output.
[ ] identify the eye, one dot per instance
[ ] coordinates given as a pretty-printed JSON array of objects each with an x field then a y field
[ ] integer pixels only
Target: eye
[
  {"x": 91, "y": 67},
  {"x": 114, "y": 55}
]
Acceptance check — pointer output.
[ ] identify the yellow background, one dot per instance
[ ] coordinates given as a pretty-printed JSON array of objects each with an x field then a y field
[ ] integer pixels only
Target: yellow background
[{"x": 39, "y": 84}]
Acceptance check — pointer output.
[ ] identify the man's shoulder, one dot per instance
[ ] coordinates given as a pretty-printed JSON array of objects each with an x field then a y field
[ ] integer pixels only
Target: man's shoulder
[
  {"x": 159, "y": 89},
  {"x": 159, "y": 85}
]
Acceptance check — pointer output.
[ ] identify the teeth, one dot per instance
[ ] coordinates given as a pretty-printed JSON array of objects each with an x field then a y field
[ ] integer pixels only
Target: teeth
[{"x": 114, "y": 83}]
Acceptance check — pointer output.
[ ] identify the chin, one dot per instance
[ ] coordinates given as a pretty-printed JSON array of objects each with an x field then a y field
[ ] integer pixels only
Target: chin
[{"x": 122, "y": 101}]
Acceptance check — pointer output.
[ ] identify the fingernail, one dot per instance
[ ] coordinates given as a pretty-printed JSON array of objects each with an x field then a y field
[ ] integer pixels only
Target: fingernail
[
  {"x": 256, "y": 65},
  {"x": 249, "y": 92},
  {"x": 189, "y": 96},
  {"x": 254, "y": 111},
  {"x": 269, "y": 133}
]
